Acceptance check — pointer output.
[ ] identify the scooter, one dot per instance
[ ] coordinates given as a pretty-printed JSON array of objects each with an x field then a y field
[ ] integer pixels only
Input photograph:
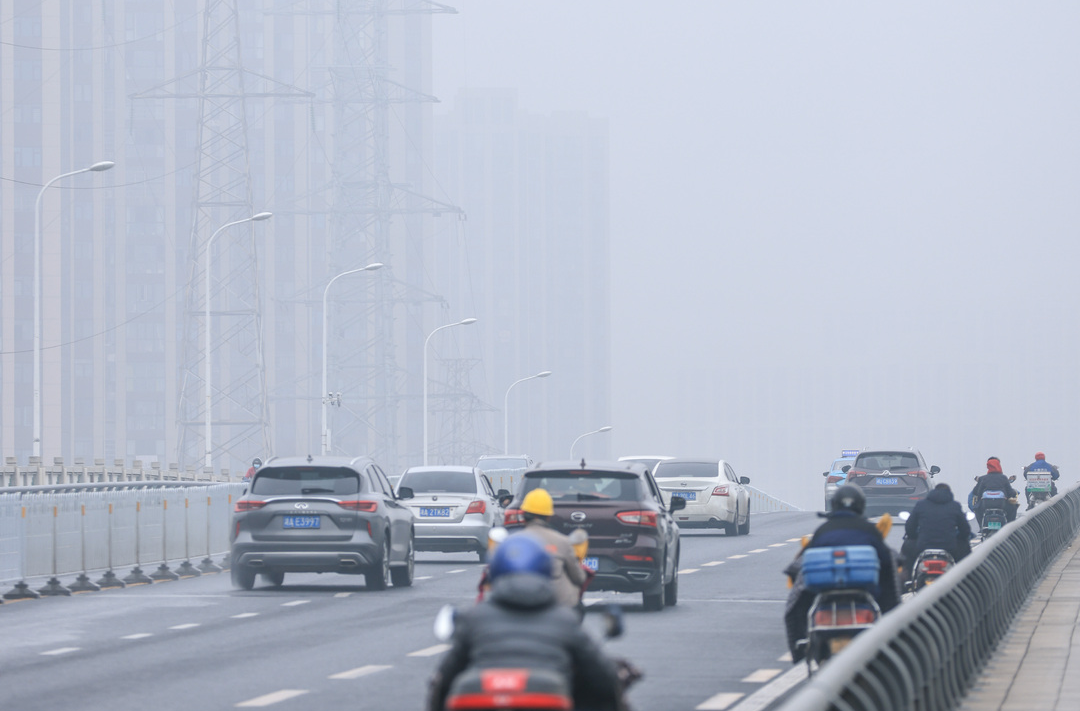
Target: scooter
[
  {"x": 929, "y": 566},
  {"x": 1039, "y": 487},
  {"x": 994, "y": 513}
]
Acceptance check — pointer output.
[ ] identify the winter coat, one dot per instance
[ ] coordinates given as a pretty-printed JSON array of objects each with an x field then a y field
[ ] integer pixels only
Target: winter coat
[
  {"x": 994, "y": 481},
  {"x": 567, "y": 574},
  {"x": 1042, "y": 466},
  {"x": 844, "y": 528},
  {"x": 520, "y": 625},
  {"x": 938, "y": 522}
]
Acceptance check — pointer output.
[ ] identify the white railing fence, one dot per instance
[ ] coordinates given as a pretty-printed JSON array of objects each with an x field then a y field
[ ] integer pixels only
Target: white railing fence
[
  {"x": 37, "y": 473},
  {"x": 760, "y": 502}
]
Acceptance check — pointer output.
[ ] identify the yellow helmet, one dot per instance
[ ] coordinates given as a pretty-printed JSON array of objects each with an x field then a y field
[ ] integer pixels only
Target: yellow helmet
[{"x": 538, "y": 502}]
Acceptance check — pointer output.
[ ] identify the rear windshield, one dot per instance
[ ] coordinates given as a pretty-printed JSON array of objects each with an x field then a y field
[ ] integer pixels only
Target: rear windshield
[
  {"x": 586, "y": 486},
  {"x": 439, "y": 482},
  {"x": 685, "y": 470},
  {"x": 893, "y": 461},
  {"x": 507, "y": 463},
  {"x": 293, "y": 481}
]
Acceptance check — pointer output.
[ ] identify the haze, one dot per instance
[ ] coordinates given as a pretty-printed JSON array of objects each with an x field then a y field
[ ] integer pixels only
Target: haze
[{"x": 833, "y": 224}]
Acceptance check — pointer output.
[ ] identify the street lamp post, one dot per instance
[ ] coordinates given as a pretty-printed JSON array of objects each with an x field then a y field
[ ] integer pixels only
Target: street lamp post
[
  {"x": 95, "y": 168},
  {"x": 325, "y": 393},
  {"x": 606, "y": 428},
  {"x": 506, "y": 411},
  {"x": 463, "y": 322},
  {"x": 209, "y": 371}
]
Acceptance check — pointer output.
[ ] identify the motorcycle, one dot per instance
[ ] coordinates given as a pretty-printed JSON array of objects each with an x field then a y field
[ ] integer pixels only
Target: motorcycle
[{"x": 1039, "y": 487}]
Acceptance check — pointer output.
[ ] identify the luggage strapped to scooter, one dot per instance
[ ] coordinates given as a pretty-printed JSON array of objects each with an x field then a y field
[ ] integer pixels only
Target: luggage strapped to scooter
[{"x": 837, "y": 567}]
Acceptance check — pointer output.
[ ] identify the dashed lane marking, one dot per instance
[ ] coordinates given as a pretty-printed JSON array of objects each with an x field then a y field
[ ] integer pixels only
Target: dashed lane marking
[
  {"x": 709, "y": 565},
  {"x": 687, "y": 571},
  {"x": 360, "y": 671},
  {"x": 422, "y": 577},
  {"x": 459, "y": 570},
  {"x": 294, "y": 603},
  {"x": 62, "y": 650},
  {"x": 429, "y": 651},
  {"x": 759, "y": 550},
  {"x": 761, "y": 676},
  {"x": 776, "y": 688},
  {"x": 719, "y": 702},
  {"x": 777, "y": 545},
  {"x": 342, "y": 594},
  {"x": 737, "y": 555},
  {"x": 795, "y": 540},
  {"x": 268, "y": 699},
  {"x": 185, "y": 626},
  {"x": 785, "y": 658},
  {"x": 139, "y": 635},
  {"x": 245, "y": 615}
]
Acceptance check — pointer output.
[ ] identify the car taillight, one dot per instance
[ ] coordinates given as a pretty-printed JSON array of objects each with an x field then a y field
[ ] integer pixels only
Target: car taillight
[
  {"x": 856, "y": 472},
  {"x": 365, "y": 506},
  {"x": 514, "y": 517},
  {"x": 637, "y": 518},
  {"x": 919, "y": 473},
  {"x": 833, "y": 479},
  {"x": 245, "y": 505},
  {"x": 844, "y": 616},
  {"x": 476, "y": 507},
  {"x": 638, "y": 558},
  {"x": 720, "y": 491}
]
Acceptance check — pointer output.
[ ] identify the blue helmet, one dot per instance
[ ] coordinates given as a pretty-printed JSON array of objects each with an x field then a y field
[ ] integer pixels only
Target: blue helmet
[{"x": 520, "y": 553}]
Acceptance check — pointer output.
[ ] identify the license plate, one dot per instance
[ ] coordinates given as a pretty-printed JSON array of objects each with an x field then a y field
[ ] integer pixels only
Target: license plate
[
  {"x": 437, "y": 512},
  {"x": 591, "y": 562},
  {"x": 886, "y": 481},
  {"x": 688, "y": 495},
  {"x": 301, "y": 522},
  {"x": 993, "y": 525}
]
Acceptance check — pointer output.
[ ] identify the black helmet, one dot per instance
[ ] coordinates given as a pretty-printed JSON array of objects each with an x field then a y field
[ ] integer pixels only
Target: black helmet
[{"x": 849, "y": 498}]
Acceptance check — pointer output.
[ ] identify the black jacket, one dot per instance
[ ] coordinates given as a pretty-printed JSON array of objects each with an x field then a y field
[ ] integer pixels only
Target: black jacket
[
  {"x": 994, "y": 481},
  {"x": 938, "y": 522},
  {"x": 520, "y": 625}
]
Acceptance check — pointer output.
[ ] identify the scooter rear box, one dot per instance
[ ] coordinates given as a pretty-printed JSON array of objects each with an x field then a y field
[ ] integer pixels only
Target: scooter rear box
[{"x": 840, "y": 567}]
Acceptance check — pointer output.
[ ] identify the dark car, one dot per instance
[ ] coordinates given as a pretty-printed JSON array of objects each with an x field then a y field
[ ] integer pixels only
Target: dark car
[
  {"x": 322, "y": 515},
  {"x": 893, "y": 480},
  {"x": 633, "y": 538}
]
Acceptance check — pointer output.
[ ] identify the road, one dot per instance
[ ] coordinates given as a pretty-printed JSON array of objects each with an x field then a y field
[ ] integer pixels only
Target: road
[{"x": 325, "y": 642}]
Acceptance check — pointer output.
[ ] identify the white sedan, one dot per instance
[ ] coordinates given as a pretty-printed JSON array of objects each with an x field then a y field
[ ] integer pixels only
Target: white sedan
[{"x": 715, "y": 497}]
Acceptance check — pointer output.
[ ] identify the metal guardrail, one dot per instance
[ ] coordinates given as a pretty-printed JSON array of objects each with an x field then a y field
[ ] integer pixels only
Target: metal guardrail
[
  {"x": 928, "y": 652},
  {"x": 76, "y": 529},
  {"x": 760, "y": 502},
  {"x": 37, "y": 473}
]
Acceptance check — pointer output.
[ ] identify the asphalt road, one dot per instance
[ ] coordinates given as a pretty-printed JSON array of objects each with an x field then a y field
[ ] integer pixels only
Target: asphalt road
[{"x": 324, "y": 642}]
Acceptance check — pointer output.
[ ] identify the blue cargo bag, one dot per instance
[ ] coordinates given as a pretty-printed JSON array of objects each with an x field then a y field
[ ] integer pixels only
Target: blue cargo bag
[{"x": 837, "y": 567}]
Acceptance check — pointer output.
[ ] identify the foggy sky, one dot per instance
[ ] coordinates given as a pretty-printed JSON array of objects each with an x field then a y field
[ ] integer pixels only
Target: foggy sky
[{"x": 833, "y": 224}]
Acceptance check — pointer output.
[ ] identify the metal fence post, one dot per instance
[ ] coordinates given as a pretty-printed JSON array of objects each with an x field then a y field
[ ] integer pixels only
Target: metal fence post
[
  {"x": 22, "y": 591},
  {"x": 109, "y": 579},
  {"x": 137, "y": 576},
  {"x": 163, "y": 572},
  {"x": 186, "y": 569},
  {"x": 53, "y": 587},
  {"x": 207, "y": 565},
  {"x": 82, "y": 583}
]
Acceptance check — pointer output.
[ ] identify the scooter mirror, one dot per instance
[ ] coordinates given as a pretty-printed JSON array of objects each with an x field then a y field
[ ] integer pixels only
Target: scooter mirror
[
  {"x": 904, "y": 515},
  {"x": 444, "y": 623},
  {"x": 970, "y": 515},
  {"x": 578, "y": 535},
  {"x": 1012, "y": 478}
]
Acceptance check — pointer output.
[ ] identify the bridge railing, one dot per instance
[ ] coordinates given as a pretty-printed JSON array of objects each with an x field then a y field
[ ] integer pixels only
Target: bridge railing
[
  {"x": 928, "y": 652},
  {"x": 38, "y": 473},
  {"x": 762, "y": 502}
]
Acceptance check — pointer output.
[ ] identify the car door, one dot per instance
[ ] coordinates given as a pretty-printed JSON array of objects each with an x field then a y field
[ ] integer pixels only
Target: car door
[
  {"x": 492, "y": 500},
  {"x": 741, "y": 493},
  {"x": 400, "y": 516},
  {"x": 670, "y": 529}
]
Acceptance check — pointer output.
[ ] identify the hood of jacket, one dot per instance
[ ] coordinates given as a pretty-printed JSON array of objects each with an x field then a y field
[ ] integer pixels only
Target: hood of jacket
[
  {"x": 523, "y": 591},
  {"x": 939, "y": 496}
]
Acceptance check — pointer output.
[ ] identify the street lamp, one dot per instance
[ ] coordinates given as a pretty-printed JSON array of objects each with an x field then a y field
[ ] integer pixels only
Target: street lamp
[
  {"x": 325, "y": 393},
  {"x": 506, "y": 411},
  {"x": 606, "y": 428},
  {"x": 463, "y": 322},
  {"x": 95, "y": 168},
  {"x": 209, "y": 371}
]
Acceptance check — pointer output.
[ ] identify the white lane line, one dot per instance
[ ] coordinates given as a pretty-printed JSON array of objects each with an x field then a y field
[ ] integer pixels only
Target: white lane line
[
  {"x": 62, "y": 650},
  {"x": 795, "y": 540},
  {"x": 759, "y": 550},
  {"x": 342, "y": 594},
  {"x": 244, "y": 615},
  {"x": 429, "y": 651},
  {"x": 422, "y": 577},
  {"x": 687, "y": 571},
  {"x": 140, "y": 635},
  {"x": 777, "y": 545},
  {"x": 761, "y": 676},
  {"x": 185, "y": 626},
  {"x": 738, "y": 555},
  {"x": 267, "y": 699},
  {"x": 785, "y": 658},
  {"x": 294, "y": 603},
  {"x": 459, "y": 570},
  {"x": 709, "y": 565},
  {"x": 719, "y": 702},
  {"x": 360, "y": 671},
  {"x": 773, "y": 690}
]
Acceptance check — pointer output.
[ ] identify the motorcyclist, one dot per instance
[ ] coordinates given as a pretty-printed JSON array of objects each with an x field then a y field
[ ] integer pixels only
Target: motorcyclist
[
  {"x": 936, "y": 522},
  {"x": 521, "y": 625},
  {"x": 567, "y": 574},
  {"x": 1041, "y": 466},
  {"x": 994, "y": 480},
  {"x": 844, "y": 526}
]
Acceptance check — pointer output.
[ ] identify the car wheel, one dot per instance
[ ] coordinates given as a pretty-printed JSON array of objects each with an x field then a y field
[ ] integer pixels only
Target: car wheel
[
  {"x": 483, "y": 555},
  {"x": 653, "y": 601},
  {"x": 745, "y": 528},
  {"x": 275, "y": 579},
  {"x": 242, "y": 577},
  {"x": 671, "y": 590},
  {"x": 378, "y": 578},
  {"x": 732, "y": 529},
  {"x": 403, "y": 576}
]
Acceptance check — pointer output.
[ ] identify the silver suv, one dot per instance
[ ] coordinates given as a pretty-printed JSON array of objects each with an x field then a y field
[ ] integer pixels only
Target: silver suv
[{"x": 322, "y": 515}]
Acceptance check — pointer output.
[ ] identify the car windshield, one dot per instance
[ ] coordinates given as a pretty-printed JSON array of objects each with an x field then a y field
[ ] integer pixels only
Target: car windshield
[
  {"x": 685, "y": 470},
  {"x": 295, "y": 481},
  {"x": 650, "y": 463},
  {"x": 892, "y": 461},
  {"x": 585, "y": 486},
  {"x": 446, "y": 482},
  {"x": 502, "y": 463}
]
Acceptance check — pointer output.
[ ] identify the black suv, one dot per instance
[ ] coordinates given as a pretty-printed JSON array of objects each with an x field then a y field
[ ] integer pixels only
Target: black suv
[
  {"x": 322, "y": 515},
  {"x": 633, "y": 538},
  {"x": 893, "y": 480}
]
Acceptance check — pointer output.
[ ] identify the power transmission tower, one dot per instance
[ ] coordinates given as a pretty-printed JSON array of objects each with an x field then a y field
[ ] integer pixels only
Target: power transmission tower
[{"x": 456, "y": 441}]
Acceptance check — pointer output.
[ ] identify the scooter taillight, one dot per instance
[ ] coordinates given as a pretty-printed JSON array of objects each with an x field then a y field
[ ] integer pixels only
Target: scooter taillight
[
  {"x": 935, "y": 566},
  {"x": 844, "y": 616},
  {"x": 504, "y": 679}
]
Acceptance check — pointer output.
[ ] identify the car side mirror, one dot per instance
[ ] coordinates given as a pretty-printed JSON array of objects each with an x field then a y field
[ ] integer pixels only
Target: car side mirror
[
  {"x": 935, "y": 470},
  {"x": 678, "y": 503},
  {"x": 845, "y": 468},
  {"x": 405, "y": 492},
  {"x": 505, "y": 499},
  {"x": 746, "y": 479},
  {"x": 502, "y": 492},
  {"x": 824, "y": 473}
]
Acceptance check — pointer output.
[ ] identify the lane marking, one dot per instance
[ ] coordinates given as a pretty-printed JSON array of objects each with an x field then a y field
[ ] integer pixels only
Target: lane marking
[
  {"x": 422, "y": 577},
  {"x": 719, "y": 702},
  {"x": 294, "y": 603},
  {"x": 773, "y": 690},
  {"x": 737, "y": 555},
  {"x": 759, "y": 550},
  {"x": 342, "y": 594},
  {"x": 709, "y": 565},
  {"x": 777, "y": 545},
  {"x": 185, "y": 626},
  {"x": 140, "y": 635},
  {"x": 459, "y": 570},
  {"x": 785, "y": 658},
  {"x": 761, "y": 676},
  {"x": 62, "y": 650},
  {"x": 245, "y": 615},
  {"x": 687, "y": 571},
  {"x": 273, "y": 698},
  {"x": 360, "y": 671},
  {"x": 429, "y": 651},
  {"x": 795, "y": 540}
]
